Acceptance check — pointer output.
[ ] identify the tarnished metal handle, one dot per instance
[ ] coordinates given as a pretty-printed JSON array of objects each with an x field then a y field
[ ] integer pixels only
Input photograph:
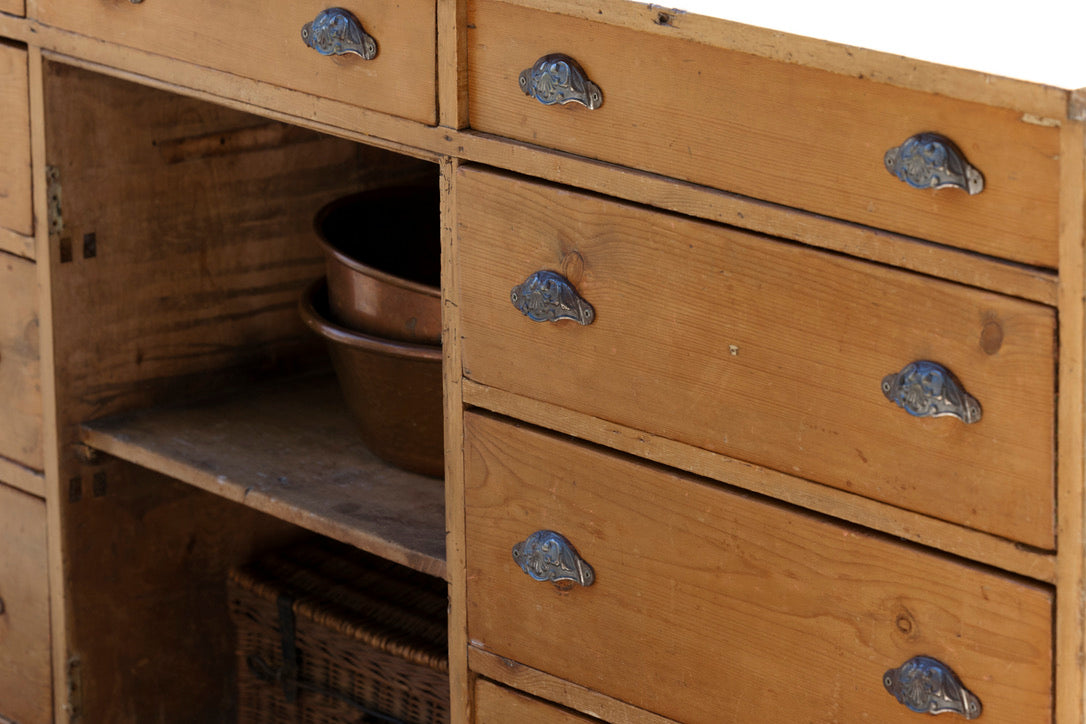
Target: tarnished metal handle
[
  {"x": 547, "y": 296},
  {"x": 932, "y": 161},
  {"x": 548, "y": 556},
  {"x": 927, "y": 685},
  {"x": 927, "y": 389},
  {"x": 336, "y": 31},
  {"x": 558, "y": 78}
]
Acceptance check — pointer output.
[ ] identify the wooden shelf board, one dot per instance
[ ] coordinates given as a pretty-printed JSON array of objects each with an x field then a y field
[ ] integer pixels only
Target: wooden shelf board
[{"x": 289, "y": 450}]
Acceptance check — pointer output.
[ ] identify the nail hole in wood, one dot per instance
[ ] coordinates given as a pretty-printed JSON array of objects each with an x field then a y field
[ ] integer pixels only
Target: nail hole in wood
[
  {"x": 98, "y": 484},
  {"x": 65, "y": 250},
  {"x": 90, "y": 246}
]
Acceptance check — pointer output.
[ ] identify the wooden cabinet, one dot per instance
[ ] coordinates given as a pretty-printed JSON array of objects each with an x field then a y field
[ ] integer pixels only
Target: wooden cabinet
[
  {"x": 794, "y": 437},
  {"x": 15, "y": 209},
  {"x": 762, "y": 350},
  {"x": 790, "y": 134},
  {"x": 25, "y": 674},
  {"x": 496, "y": 705},
  {"x": 724, "y": 597},
  {"x": 257, "y": 40},
  {"x": 20, "y": 377}
]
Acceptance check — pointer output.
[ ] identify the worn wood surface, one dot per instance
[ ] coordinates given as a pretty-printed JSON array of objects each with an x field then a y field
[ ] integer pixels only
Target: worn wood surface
[
  {"x": 498, "y": 705},
  {"x": 459, "y": 678},
  {"x": 13, "y": 243},
  {"x": 15, "y": 206},
  {"x": 341, "y": 119},
  {"x": 793, "y": 135},
  {"x": 23, "y": 478},
  {"x": 566, "y": 693},
  {"x": 882, "y": 67},
  {"x": 20, "y": 363},
  {"x": 763, "y": 351},
  {"x": 1071, "y": 562},
  {"x": 289, "y": 449},
  {"x": 15, "y": 7},
  {"x": 265, "y": 43},
  {"x": 956, "y": 539},
  {"x": 174, "y": 273},
  {"x": 149, "y": 634},
  {"x": 754, "y": 611},
  {"x": 25, "y": 674}
]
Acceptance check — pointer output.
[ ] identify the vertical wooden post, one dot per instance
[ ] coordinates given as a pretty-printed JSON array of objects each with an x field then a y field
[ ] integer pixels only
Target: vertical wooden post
[
  {"x": 452, "y": 83},
  {"x": 65, "y": 696},
  {"x": 1070, "y": 631},
  {"x": 459, "y": 679}
]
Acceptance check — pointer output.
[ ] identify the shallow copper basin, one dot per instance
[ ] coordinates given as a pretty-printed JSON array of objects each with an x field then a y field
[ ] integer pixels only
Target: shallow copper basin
[
  {"x": 383, "y": 259},
  {"x": 392, "y": 388}
]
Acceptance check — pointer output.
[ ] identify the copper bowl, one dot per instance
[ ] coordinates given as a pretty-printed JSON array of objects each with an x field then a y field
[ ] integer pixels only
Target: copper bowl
[
  {"x": 392, "y": 388},
  {"x": 383, "y": 259}
]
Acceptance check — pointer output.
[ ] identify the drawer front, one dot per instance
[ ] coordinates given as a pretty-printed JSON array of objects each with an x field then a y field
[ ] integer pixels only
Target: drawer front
[
  {"x": 15, "y": 202},
  {"x": 264, "y": 41},
  {"x": 792, "y": 135},
  {"x": 25, "y": 688},
  {"x": 497, "y": 705},
  {"x": 20, "y": 371},
  {"x": 708, "y": 605},
  {"x": 763, "y": 350}
]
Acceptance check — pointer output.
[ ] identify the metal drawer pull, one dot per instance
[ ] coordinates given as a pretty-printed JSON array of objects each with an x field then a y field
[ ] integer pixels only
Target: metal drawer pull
[
  {"x": 932, "y": 161},
  {"x": 548, "y": 556},
  {"x": 924, "y": 684},
  {"x": 927, "y": 389},
  {"x": 547, "y": 296},
  {"x": 336, "y": 31},
  {"x": 557, "y": 78}
]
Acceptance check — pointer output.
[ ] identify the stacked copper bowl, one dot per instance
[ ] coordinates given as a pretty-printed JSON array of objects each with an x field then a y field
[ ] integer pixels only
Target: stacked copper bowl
[{"x": 379, "y": 311}]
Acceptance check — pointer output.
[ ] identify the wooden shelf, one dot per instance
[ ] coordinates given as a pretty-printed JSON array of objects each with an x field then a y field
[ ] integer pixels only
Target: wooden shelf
[{"x": 289, "y": 450}]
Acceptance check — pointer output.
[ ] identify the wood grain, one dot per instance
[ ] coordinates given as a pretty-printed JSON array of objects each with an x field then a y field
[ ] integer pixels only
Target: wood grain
[
  {"x": 26, "y": 693},
  {"x": 15, "y": 205},
  {"x": 452, "y": 373},
  {"x": 784, "y": 133},
  {"x": 174, "y": 275},
  {"x": 289, "y": 449},
  {"x": 1071, "y": 562},
  {"x": 754, "y": 612},
  {"x": 498, "y": 705},
  {"x": 563, "y": 692},
  {"x": 763, "y": 351},
  {"x": 20, "y": 363},
  {"x": 264, "y": 42},
  {"x": 964, "y": 542}
]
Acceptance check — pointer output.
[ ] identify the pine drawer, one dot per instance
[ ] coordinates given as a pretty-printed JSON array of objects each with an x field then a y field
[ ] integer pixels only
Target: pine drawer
[
  {"x": 796, "y": 136},
  {"x": 20, "y": 369},
  {"x": 498, "y": 705},
  {"x": 25, "y": 672},
  {"x": 763, "y": 350},
  {"x": 707, "y": 605},
  {"x": 263, "y": 41},
  {"x": 16, "y": 211}
]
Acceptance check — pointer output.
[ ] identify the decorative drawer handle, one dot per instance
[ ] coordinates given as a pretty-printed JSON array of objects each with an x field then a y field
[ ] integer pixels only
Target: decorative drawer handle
[
  {"x": 924, "y": 684},
  {"x": 932, "y": 161},
  {"x": 927, "y": 389},
  {"x": 336, "y": 31},
  {"x": 548, "y": 556},
  {"x": 547, "y": 296},
  {"x": 558, "y": 78}
]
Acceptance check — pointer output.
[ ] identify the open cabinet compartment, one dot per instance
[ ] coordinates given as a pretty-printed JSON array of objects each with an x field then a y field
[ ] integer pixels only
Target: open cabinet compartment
[{"x": 180, "y": 240}]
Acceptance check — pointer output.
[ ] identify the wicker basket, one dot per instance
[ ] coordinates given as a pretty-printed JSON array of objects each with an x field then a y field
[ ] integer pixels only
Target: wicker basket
[{"x": 326, "y": 634}]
